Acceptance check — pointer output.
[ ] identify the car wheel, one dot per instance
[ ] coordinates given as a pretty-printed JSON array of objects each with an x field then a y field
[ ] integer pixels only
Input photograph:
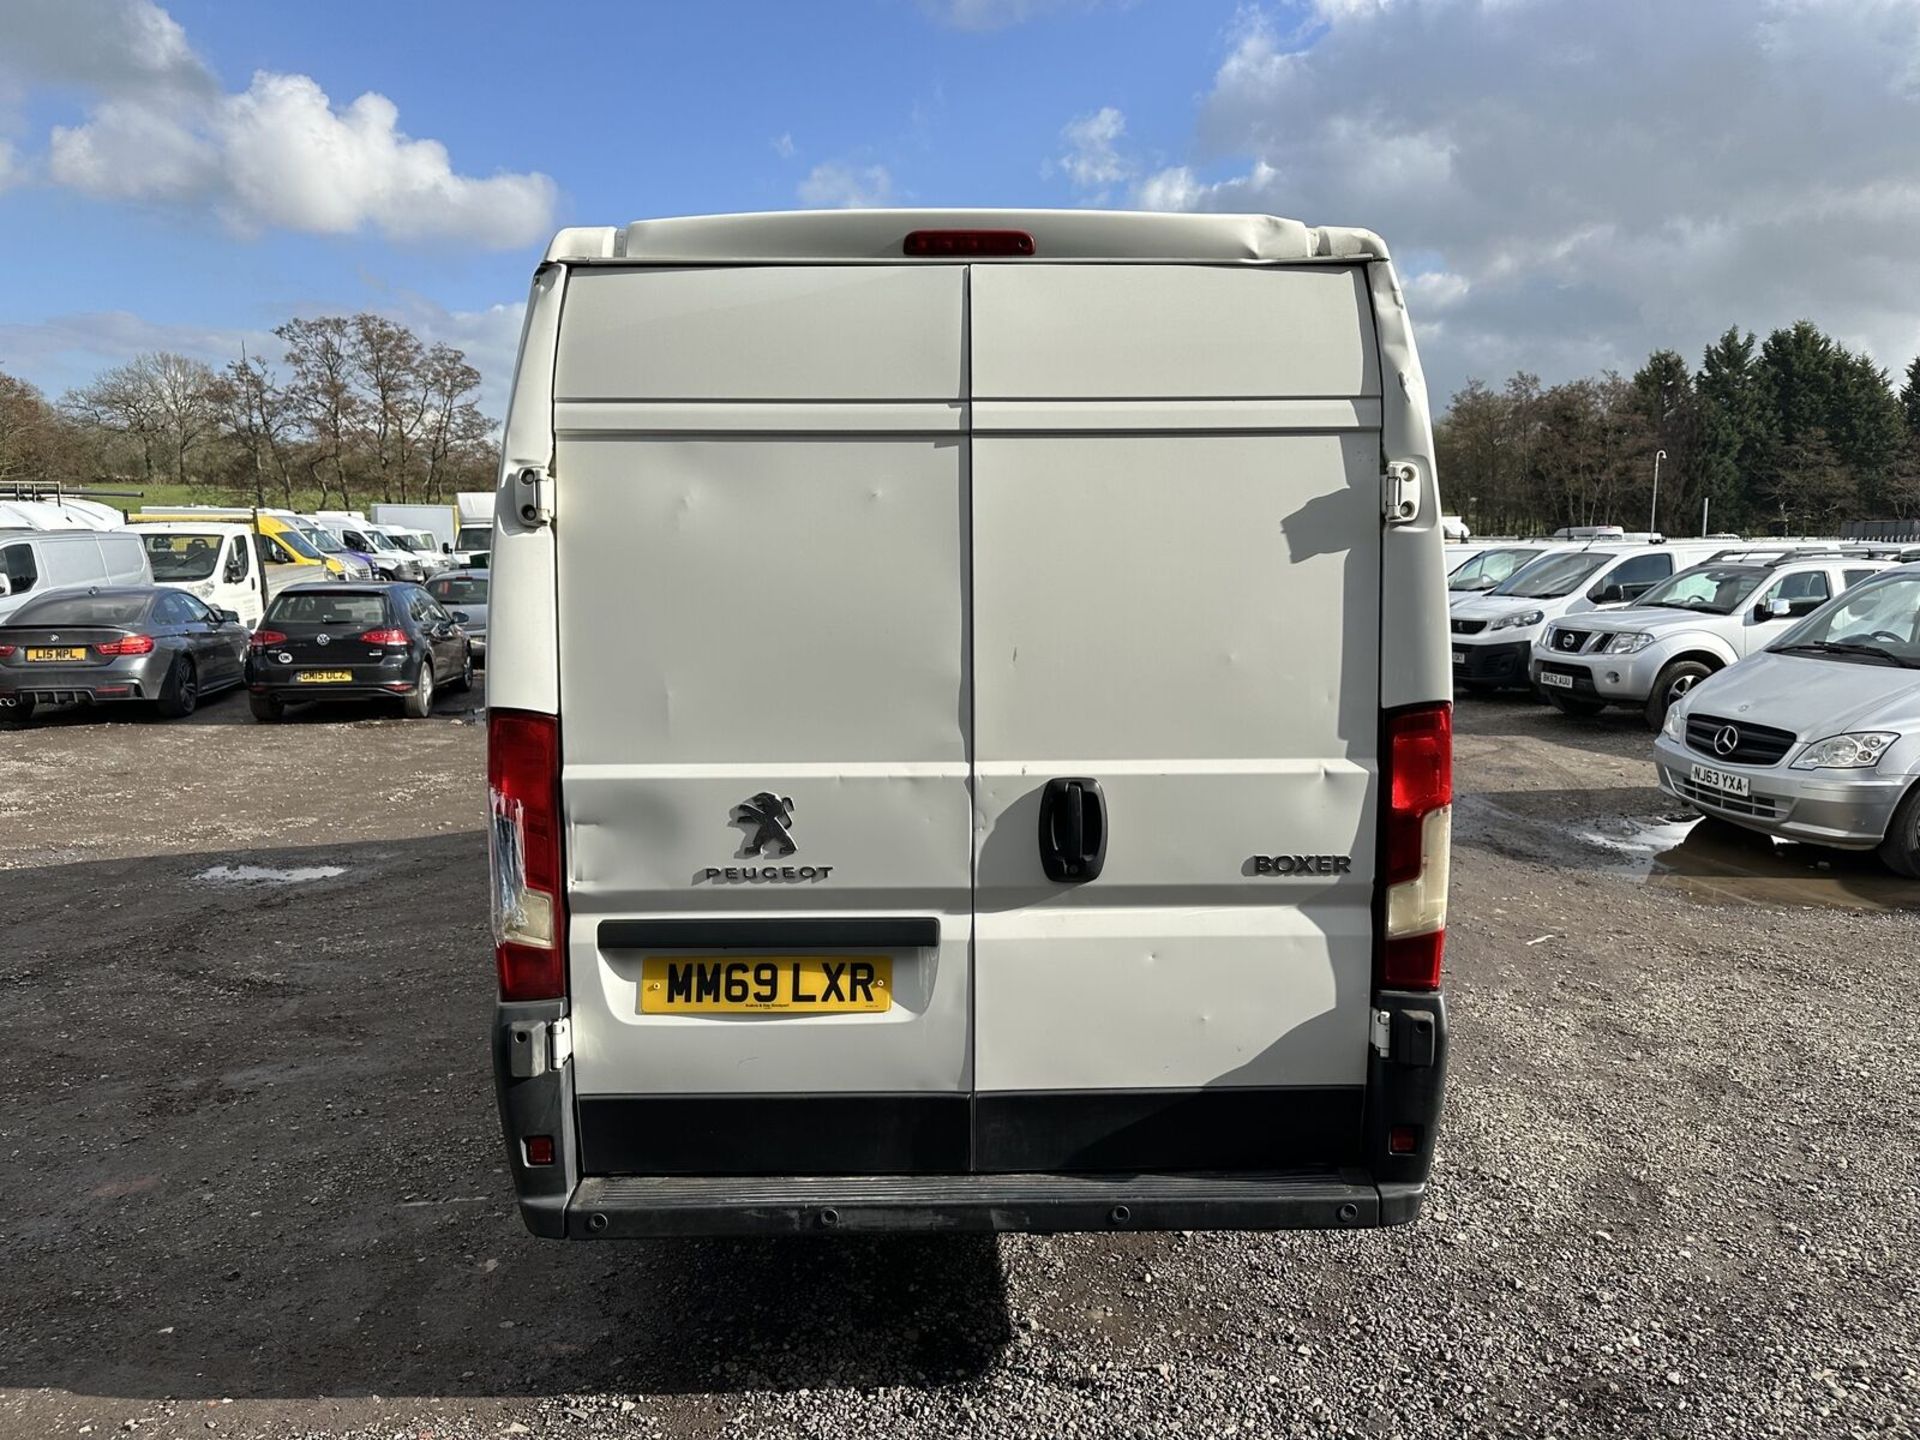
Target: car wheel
[
  {"x": 1901, "y": 849},
  {"x": 180, "y": 692},
  {"x": 1674, "y": 681},
  {"x": 465, "y": 682},
  {"x": 419, "y": 704},
  {"x": 1572, "y": 704},
  {"x": 266, "y": 708}
]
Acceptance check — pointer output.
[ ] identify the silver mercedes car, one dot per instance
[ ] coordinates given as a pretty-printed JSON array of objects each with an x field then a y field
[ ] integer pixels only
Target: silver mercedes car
[{"x": 1817, "y": 737}]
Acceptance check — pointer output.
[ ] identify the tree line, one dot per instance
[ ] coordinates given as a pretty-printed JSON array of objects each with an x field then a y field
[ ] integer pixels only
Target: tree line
[
  {"x": 356, "y": 409},
  {"x": 1791, "y": 435}
]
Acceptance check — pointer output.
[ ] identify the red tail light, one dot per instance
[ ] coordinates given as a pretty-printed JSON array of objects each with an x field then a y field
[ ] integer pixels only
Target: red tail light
[
  {"x": 1417, "y": 851},
  {"x": 523, "y": 834},
  {"x": 969, "y": 242},
  {"x": 6, "y": 652},
  {"x": 263, "y": 638},
  {"x": 385, "y": 637},
  {"x": 132, "y": 645}
]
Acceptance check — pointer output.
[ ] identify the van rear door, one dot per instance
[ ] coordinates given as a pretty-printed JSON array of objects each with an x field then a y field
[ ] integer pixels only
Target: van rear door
[
  {"x": 762, "y": 577},
  {"x": 1176, "y": 589}
]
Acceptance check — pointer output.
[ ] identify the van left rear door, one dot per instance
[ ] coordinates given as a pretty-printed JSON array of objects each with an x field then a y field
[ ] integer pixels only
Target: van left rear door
[{"x": 761, "y": 568}]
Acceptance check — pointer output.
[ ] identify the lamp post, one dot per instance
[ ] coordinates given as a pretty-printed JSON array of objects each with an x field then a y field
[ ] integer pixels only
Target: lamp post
[{"x": 1653, "y": 511}]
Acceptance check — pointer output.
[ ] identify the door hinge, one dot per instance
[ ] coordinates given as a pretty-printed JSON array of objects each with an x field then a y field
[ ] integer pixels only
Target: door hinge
[
  {"x": 537, "y": 1046},
  {"x": 1400, "y": 487},
  {"x": 533, "y": 496},
  {"x": 1382, "y": 1032}
]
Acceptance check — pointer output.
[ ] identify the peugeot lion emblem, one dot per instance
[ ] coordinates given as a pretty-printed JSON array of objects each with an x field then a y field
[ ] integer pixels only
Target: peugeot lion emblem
[
  {"x": 1726, "y": 740},
  {"x": 323, "y": 639},
  {"x": 771, "y": 817}
]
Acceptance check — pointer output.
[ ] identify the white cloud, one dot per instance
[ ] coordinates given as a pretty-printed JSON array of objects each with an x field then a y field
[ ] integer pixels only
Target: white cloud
[
  {"x": 999, "y": 14},
  {"x": 1586, "y": 183},
  {"x": 1093, "y": 157},
  {"x": 783, "y": 146},
  {"x": 834, "y": 185},
  {"x": 278, "y": 155},
  {"x": 9, "y": 166}
]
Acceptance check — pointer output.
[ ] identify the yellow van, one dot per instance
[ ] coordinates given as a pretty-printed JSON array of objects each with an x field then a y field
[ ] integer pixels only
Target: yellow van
[{"x": 283, "y": 545}]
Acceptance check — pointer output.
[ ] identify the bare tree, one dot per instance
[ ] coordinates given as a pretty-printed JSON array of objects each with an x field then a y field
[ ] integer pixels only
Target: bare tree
[
  {"x": 161, "y": 403},
  {"x": 324, "y": 398},
  {"x": 454, "y": 429},
  {"x": 387, "y": 362},
  {"x": 254, "y": 413}
]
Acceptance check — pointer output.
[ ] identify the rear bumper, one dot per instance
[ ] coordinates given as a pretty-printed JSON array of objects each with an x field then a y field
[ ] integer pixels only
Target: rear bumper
[
  {"x": 134, "y": 679},
  {"x": 299, "y": 693},
  {"x": 1219, "y": 1158},
  {"x": 632, "y": 1207},
  {"x": 1491, "y": 663}
]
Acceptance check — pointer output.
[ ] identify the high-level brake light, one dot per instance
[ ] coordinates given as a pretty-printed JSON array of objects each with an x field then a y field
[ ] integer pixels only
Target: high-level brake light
[
  {"x": 961, "y": 244},
  {"x": 1419, "y": 839},
  {"x": 523, "y": 843}
]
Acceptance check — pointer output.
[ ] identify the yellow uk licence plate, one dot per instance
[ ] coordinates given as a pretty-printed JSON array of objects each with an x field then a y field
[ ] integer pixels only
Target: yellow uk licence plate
[
  {"x": 796, "y": 984},
  {"x": 78, "y": 652},
  {"x": 325, "y": 677}
]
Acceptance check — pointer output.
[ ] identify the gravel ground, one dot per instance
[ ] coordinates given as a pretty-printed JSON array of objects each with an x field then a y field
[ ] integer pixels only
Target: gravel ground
[{"x": 254, "y": 1189}]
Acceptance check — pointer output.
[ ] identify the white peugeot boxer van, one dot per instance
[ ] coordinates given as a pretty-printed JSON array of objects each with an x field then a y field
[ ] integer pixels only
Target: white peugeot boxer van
[{"x": 969, "y": 728}]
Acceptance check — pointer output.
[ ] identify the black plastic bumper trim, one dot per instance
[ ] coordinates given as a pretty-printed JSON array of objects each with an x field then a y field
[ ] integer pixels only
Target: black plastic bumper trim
[
  {"x": 632, "y": 1207},
  {"x": 746, "y": 1135},
  {"x": 831, "y": 932},
  {"x": 1227, "y": 1129}
]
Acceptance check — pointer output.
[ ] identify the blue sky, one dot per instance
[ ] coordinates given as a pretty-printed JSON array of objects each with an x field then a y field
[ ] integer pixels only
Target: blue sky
[{"x": 1567, "y": 185}]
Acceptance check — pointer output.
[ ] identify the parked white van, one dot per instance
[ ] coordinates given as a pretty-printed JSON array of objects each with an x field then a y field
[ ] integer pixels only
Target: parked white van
[
  {"x": 1018, "y": 797},
  {"x": 1493, "y": 634},
  {"x": 216, "y": 562},
  {"x": 32, "y": 562}
]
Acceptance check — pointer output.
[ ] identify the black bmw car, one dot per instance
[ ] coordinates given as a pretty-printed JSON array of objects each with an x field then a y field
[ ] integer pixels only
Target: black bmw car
[
  {"x": 356, "y": 642},
  {"x": 114, "y": 644}
]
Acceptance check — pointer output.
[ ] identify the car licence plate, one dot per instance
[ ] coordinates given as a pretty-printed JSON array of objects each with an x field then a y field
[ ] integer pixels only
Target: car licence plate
[
  {"x": 1559, "y": 682},
  {"x": 1709, "y": 778},
  {"x": 40, "y": 653},
  {"x": 324, "y": 677},
  {"x": 1459, "y": 657},
  {"x": 792, "y": 984}
]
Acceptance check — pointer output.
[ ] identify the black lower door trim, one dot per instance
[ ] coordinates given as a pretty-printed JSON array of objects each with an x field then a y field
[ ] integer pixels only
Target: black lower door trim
[
  {"x": 1148, "y": 1130},
  {"x": 1094, "y": 1131},
  {"x": 811, "y": 1134}
]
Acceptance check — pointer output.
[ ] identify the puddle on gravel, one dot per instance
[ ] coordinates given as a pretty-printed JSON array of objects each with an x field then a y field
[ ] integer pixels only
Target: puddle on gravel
[
  {"x": 1679, "y": 852},
  {"x": 266, "y": 875}
]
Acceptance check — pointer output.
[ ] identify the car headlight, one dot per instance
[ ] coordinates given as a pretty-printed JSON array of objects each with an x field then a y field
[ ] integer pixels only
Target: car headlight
[
  {"x": 1860, "y": 750},
  {"x": 1520, "y": 621},
  {"x": 1674, "y": 727},
  {"x": 1628, "y": 643}
]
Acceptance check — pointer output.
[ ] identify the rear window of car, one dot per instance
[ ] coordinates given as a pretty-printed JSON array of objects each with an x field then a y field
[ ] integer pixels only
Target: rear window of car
[
  {"x": 83, "y": 610},
  {"x": 459, "y": 592},
  {"x": 329, "y": 608}
]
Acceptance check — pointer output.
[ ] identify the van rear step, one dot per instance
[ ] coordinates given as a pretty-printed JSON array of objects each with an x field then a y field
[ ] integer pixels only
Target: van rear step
[{"x": 625, "y": 1207}]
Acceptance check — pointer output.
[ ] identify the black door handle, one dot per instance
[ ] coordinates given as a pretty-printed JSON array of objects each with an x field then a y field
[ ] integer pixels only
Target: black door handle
[{"x": 1073, "y": 829}]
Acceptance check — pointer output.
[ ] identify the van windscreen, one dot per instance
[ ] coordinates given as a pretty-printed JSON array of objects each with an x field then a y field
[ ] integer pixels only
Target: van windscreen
[
  {"x": 1554, "y": 576},
  {"x": 183, "y": 557}
]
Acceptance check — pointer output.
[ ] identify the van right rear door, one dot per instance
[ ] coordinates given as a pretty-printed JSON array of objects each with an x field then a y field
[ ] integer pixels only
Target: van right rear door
[{"x": 1176, "y": 589}]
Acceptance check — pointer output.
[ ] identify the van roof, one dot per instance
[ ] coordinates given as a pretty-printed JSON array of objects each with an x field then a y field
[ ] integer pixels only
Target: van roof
[
  {"x": 189, "y": 527},
  {"x": 879, "y": 235}
]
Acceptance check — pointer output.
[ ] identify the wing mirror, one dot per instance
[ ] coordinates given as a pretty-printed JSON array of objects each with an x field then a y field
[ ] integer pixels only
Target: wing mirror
[
  {"x": 1773, "y": 610},
  {"x": 1607, "y": 595},
  {"x": 460, "y": 617},
  {"x": 229, "y": 617},
  {"x": 6, "y": 585}
]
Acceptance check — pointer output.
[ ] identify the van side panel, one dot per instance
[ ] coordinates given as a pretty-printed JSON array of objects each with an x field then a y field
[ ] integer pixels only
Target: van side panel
[{"x": 1182, "y": 601}]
